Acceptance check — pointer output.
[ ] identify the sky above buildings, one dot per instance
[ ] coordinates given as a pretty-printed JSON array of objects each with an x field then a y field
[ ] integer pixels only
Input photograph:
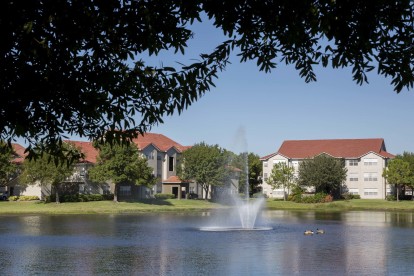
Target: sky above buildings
[{"x": 254, "y": 111}]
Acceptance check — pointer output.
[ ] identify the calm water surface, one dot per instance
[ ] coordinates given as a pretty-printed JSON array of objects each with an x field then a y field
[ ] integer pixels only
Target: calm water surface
[{"x": 355, "y": 243}]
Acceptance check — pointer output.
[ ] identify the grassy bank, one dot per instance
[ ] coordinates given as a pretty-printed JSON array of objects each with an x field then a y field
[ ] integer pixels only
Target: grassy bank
[
  {"x": 344, "y": 205},
  {"x": 106, "y": 207},
  {"x": 174, "y": 205}
]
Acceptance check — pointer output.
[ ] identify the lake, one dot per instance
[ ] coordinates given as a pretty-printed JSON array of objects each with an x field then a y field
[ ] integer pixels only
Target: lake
[{"x": 354, "y": 243}]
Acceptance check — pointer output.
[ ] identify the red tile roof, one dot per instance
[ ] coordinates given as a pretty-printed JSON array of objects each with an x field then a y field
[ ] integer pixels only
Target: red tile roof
[
  {"x": 341, "y": 148},
  {"x": 20, "y": 154},
  {"x": 268, "y": 156},
  {"x": 174, "y": 179},
  {"x": 160, "y": 141},
  {"x": 87, "y": 149}
]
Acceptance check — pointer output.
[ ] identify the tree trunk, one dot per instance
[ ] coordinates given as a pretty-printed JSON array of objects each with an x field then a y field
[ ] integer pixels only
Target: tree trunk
[
  {"x": 398, "y": 196},
  {"x": 284, "y": 193},
  {"x": 57, "y": 194},
  {"x": 205, "y": 191},
  {"x": 116, "y": 193}
]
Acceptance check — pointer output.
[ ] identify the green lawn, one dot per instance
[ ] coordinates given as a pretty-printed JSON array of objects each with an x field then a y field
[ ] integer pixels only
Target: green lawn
[
  {"x": 355, "y": 204},
  {"x": 174, "y": 205},
  {"x": 102, "y": 207}
]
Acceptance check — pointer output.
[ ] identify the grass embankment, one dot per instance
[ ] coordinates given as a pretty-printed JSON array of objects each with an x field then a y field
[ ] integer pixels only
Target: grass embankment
[
  {"x": 106, "y": 207},
  {"x": 344, "y": 205},
  {"x": 174, "y": 205}
]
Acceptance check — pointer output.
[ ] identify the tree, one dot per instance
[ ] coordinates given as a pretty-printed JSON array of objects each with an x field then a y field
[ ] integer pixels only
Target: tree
[
  {"x": 282, "y": 175},
  {"x": 255, "y": 172},
  {"x": 79, "y": 67},
  {"x": 204, "y": 164},
  {"x": 324, "y": 173},
  {"x": 409, "y": 158},
  {"x": 7, "y": 167},
  {"x": 47, "y": 172},
  {"x": 121, "y": 164},
  {"x": 398, "y": 173}
]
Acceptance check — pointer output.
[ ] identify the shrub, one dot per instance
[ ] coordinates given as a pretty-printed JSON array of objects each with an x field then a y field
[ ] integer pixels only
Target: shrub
[
  {"x": 23, "y": 198},
  {"x": 391, "y": 198},
  {"x": 80, "y": 198},
  {"x": 348, "y": 196},
  {"x": 28, "y": 198},
  {"x": 13, "y": 198},
  {"x": 296, "y": 194},
  {"x": 328, "y": 198},
  {"x": 164, "y": 196},
  {"x": 316, "y": 198},
  {"x": 259, "y": 195}
]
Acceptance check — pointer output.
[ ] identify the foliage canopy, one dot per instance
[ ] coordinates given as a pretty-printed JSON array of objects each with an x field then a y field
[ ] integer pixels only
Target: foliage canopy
[
  {"x": 121, "y": 164},
  {"x": 282, "y": 176},
  {"x": 7, "y": 168},
  {"x": 204, "y": 164},
  {"x": 47, "y": 172},
  {"x": 78, "y": 67},
  {"x": 325, "y": 173},
  {"x": 398, "y": 172}
]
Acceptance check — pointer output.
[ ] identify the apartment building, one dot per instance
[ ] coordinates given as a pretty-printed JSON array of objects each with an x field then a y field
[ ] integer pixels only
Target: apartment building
[
  {"x": 365, "y": 160},
  {"x": 160, "y": 151}
]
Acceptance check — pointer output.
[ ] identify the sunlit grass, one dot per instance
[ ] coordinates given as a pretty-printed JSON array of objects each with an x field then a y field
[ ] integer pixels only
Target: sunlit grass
[
  {"x": 175, "y": 205},
  {"x": 355, "y": 204},
  {"x": 16, "y": 207}
]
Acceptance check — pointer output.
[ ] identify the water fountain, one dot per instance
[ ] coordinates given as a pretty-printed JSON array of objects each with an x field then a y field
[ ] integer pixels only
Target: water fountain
[
  {"x": 245, "y": 209},
  {"x": 246, "y": 212}
]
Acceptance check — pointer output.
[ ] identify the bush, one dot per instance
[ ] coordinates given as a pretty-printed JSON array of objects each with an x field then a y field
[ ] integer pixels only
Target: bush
[
  {"x": 348, "y": 196},
  {"x": 391, "y": 198},
  {"x": 296, "y": 194},
  {"x": 80, "y": 198},
  {"x": 192, "y": 196},
  {"x": 28, "y": 198},
  {"x": 259, "y": 195},
  {"x": 316, "y": 198},
  {"x": 164, "y": 196},
  {"x": 13, "y": 198},
  {"x": 23, "y": 198}
]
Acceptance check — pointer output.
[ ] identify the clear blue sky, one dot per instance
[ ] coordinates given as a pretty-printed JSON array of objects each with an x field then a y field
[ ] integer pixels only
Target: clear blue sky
[{"x": 254, "y": 111}]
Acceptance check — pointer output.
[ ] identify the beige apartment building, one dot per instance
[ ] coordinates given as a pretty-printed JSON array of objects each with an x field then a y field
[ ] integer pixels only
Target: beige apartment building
[{"x": 365, "y": 160}]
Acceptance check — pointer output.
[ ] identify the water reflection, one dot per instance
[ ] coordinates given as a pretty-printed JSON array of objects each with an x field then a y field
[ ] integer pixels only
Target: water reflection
[{"x": 355, "y": 243}]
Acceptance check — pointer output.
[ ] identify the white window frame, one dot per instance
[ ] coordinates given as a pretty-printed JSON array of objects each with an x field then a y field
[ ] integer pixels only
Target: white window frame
[
  {"x": 352, "y": 162},
  {"x": 370, "y": 191},
  {"x": 370, "y": 176},
  {"x": 353, "y": 177},
  {"x": 353, "y": 191},
  {"x": 370, "y": 162}
]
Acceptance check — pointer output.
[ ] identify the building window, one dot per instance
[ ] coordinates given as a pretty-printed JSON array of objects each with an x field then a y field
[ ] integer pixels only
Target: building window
[
  {"x": 265, "y": 164},
  {"x": 158, "y": 157},
  {"x": 265, "y": 176},
  {"x": 124, "y": 190},
  {"x": 353, "y": 162},
  {"x": 370, "y": 162},
  {"x": 353, "y": 177},
  {"x": 370, "y": 192},
  {"x": 353, "y": 191},
  {"x": 150, "y": 156},
  {"x": 171, "y": 164},
  {"x": 370, "y": 177}
]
